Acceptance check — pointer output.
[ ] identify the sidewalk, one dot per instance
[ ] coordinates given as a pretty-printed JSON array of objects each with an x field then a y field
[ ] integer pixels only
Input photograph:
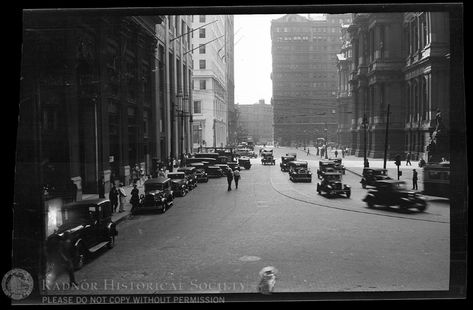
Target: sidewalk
[{"x": 117, "y": 217}]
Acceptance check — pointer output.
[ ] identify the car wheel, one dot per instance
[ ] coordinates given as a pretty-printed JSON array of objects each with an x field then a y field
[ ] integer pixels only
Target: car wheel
[
  {"x": 348, "y": 194},
  {"x": 370, "y": 203},
  {"x": 79, "y": 258},
  {"x": 363, "y": 185},
  {"x": 163, "y": 210},
  {"x": 421, "y": 207},
  {"x": 111, "y": 241}
]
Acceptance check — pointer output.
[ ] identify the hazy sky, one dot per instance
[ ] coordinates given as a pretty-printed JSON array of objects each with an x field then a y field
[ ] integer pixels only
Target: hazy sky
[{"x": 253, "y": 58}]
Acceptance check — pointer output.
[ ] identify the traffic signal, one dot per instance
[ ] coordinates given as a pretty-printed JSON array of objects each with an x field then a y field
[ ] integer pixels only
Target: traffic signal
[{"x": 398, "y": 160}]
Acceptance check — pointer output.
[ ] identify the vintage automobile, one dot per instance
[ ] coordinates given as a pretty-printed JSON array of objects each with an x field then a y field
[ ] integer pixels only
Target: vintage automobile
[
  {"x": 324, "y": 167},
  {"x": 180, "y": 185},
  {"x": 372, "y": 175},
  {"x": 88, "y": 225},
  {"x": 234, "y": 165},
  {"x": 208, "y": 160},
  {"x": 191, "y": 175},
  {"x": 225, "y": 168},
  {"x": 338, "y": 164},
  {"x": 331, "y": 184},
  {"x": 200, "y": 172},
  {"x": 244, "y": 162},
  {"x": 284, "y": 162},
  {"x": 267, "y": 159},
  {"x": 158, "y": 196},
  {"x": 214, "y": 172},
  {"x": 299, "y": 171},
  {"x": 266, "y": 151},
  {"x": 394, "y": 193}
]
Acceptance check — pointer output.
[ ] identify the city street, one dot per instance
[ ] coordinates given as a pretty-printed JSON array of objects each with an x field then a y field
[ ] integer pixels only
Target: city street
[{"x": 214, "y": 240}]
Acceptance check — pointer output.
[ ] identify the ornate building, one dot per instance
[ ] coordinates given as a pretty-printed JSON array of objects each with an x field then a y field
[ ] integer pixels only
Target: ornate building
[{"x": 400, "y": 60}]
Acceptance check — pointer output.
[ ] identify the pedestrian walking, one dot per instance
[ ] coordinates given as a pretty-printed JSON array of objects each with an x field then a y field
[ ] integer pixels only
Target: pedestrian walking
[
  {"x": 59, "y": 256},
  {"x": 122, "y": 196},
  {"x": 343, "y": 153},
  {"x": 317, "y": 151},
  {"x": 113, "y": 197},
  {"x": 308, "y": 152},
  {"x": 336, "y": 153},
  {"x": 408, "y": 159},
  {"x": 161, "y": 173},
  {"x": 236, "y": 176},
  {"x": 414, "y": 179},
  {"x": 170, "y": 164},
  {"x": 229, "y": 179},
  {"x": 135, "y": 198}
]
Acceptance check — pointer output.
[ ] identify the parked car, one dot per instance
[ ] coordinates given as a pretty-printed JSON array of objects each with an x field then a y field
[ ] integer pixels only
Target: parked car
[
  {"x": 158, "y": 196},
  {"x": 299, "y": 171},
  {"x": 180, "y": 185},
  {"x": 200, "y": 172},
  {"x": 244, "y": 162},
  {"x": 268, "y": 159},
  {"x": 88, "y": 225},
  {"x": 234, "y": 165},
  {"x": 331, "y": 184},
  {"x": 338, "y": 165},
  {"x": 394, "y": 193},
  {"x": 324, "y": 167},
  {"x": 284, "y": 162},
  {"x": 225, "y": 168},
  {"x": 214, "y": 172},
  {"x": 373, "y": 175},
  {"x": 266, "y": 151},
  {"x": 191, "y": 176}
]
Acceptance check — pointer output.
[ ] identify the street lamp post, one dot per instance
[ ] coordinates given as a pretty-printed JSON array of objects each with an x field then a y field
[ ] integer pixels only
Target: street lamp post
[
  {"x": 365, "y": 127},
  {"x": 386, "y": 139},
  {"x": 326, "y": 141}
]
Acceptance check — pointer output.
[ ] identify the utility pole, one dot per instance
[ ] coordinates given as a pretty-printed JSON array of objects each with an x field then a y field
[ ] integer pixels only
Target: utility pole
[
  {"x": 365, "y": 125},
  {"x": 386, "y": 139},
  {"x": 326, "y": 141}
]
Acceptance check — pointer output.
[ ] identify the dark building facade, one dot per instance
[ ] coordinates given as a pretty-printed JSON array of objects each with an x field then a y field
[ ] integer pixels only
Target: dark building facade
[
  {"x": 88, "y": 84},
  {"x": 305, "y": 77},
  {"x": 400, "y": 60}
]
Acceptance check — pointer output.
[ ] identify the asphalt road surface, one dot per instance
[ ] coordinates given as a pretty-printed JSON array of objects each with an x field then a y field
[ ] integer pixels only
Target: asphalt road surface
[{"x": 214, "y": 240}]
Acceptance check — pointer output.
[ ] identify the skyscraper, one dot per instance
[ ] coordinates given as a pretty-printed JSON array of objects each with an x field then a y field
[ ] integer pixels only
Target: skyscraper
[{"x": 305, "y": 77}]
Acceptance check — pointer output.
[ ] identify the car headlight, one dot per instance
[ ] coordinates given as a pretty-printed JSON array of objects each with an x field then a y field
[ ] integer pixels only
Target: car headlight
[
  {"x": 329, "y": 186},
  {"x": 182, "y": 186}
]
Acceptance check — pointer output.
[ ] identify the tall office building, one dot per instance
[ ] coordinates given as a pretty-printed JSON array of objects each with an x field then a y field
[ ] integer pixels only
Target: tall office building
[
  {"x": 212, "y": 80},
  {"x": 305, "y": 76}
]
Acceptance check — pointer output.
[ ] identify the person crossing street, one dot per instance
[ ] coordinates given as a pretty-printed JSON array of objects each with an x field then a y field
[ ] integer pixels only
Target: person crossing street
[
  {"x": 236, "y": 176},
  {"x": 229, "y": 179}
]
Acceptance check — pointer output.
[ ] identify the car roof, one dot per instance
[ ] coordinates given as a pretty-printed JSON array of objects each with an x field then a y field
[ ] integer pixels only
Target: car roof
[
  {"x": 332, "y": 173},
  {"x": 177, "y": 172},
  {"x": 86, "y": 202},
  {"x": 157, "y": 180},
  {"x": 390, "y": 181},
  {"x": 297, "y": 162}
]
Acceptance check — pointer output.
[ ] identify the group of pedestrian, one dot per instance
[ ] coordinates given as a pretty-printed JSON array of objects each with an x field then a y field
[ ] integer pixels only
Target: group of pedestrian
[
  {"x": 117, "y": 197},
  {"x": 233, "y": 175}
]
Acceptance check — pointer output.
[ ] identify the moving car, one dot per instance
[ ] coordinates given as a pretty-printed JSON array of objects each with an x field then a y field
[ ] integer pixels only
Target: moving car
[
  {"x": 88, "y": 225},
  {"x": 268, "y": 159},
  {"x": 373, "y": 175},
  {"x": 191, "y": 176},
  {"x": 394, "y": 193},
  {"x": 214, "y": 172},
  {"x": 158, "y": 196},
  {"x": 180, "y": 185},
  {"x": 331, "y": 184},
  {"x": 244, "y": 162},
  {"x": 338, "y": 165},
  {"x": 299, "y": 171},
  {"x": 285, "y": 161},
  {"x": 324, "y": 167},
  {"x": 200, "y": 172}
]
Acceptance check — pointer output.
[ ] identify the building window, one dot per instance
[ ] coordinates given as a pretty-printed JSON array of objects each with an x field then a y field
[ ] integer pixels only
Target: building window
[
  {"x": 198, "y": 106},
  {"x": 201, "y": 18},
  {"x": 202, "y": 64},
  {"x": 203, "y": 84},
  {"x": 202, "y": 49},
  {"x": 202, "y": 33}
]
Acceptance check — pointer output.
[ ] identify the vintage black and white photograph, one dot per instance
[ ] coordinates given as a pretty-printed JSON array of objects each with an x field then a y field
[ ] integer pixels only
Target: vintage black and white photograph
[{"x": 209, "y": 154}]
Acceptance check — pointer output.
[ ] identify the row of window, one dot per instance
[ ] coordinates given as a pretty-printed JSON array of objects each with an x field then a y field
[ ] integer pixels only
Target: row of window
[{"x": 307, "y": 29}]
